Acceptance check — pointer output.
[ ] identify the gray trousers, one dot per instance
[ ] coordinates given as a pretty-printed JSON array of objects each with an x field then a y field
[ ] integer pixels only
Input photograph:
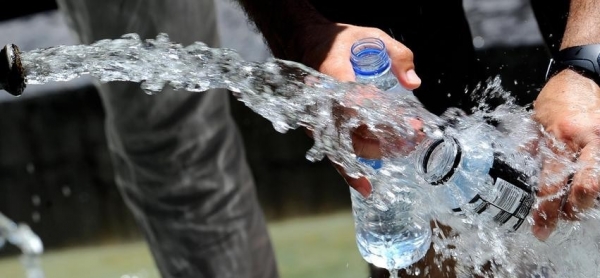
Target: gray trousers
[{"x": 178, "y": 156}]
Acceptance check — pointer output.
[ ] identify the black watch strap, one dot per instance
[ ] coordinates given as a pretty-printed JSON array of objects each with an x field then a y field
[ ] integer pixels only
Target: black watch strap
[{"x": 584, "y": 59}]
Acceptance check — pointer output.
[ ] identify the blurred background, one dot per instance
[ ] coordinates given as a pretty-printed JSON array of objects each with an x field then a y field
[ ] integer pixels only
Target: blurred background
[{"x": 56, "y": 175}]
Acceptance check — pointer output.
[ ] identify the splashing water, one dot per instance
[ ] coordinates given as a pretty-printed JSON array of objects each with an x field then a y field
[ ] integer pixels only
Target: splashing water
[
  {"x": 288, "y": 94},
  {"x": 29, "y": 243},
  {"x": 291, "y": 96}
]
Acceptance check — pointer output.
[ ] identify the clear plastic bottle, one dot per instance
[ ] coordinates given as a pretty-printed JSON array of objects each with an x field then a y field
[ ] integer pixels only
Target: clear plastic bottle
[
  {"x": 390, "y": 232},
  {"x": 476, "y": 172}
]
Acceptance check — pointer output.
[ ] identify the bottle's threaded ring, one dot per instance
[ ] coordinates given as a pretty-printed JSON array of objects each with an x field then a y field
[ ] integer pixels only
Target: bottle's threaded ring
[
  {"x": 369, "y": 57},
  {"x": 12, "y": 73}
]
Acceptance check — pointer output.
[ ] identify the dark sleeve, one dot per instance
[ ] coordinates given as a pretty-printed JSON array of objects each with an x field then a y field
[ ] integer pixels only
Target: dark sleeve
[{"x": 283, "y": 24}]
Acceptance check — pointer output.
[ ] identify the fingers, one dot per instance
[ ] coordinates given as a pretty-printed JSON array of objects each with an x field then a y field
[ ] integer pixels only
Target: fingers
[
  {"x": 585, "y": 187},
  {"x": 361, "y": 184},
  {"x": 551, "y": 193},
  {"x": 365, "y": 144},
  {"x": 402, "y": 144},
  {"x": 565, "y": 195},
  {"x": 561, "y": 197}
]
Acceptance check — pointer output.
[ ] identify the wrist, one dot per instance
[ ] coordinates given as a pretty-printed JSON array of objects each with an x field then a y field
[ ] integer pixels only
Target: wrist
[{"x": 583, "y": 59}]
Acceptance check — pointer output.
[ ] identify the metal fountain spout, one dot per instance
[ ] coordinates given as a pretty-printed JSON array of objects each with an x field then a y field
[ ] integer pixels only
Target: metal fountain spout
[{"x": 12, "y": 73}]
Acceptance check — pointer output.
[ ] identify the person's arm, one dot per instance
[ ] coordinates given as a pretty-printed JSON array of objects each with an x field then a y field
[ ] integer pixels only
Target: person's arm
[
  {"x": 568, "y": 107},
  {"x": 294, "y": 30},
  {"x": 583, "y": 24},
  {"x": 284, "y": 24}
]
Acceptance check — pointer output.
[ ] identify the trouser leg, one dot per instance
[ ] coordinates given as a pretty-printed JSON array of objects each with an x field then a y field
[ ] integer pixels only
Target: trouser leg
[
  {"x": 178, "y": 157},
  {"x": 181, "y": 168}
]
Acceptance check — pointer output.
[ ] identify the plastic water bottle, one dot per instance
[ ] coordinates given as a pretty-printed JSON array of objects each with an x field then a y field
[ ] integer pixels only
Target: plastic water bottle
[
  {"x": 391, "y": 232},
  {"x": 477, "y": 172}
]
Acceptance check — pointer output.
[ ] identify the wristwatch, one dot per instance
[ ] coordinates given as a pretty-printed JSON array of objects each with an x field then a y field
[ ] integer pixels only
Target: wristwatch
[{"x": 584, "y": 59}]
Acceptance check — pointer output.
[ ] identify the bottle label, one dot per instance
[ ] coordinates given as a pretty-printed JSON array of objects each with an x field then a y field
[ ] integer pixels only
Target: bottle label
[
  {"x": 511, "y": 198},
  {"x": 507, "y": 197}
]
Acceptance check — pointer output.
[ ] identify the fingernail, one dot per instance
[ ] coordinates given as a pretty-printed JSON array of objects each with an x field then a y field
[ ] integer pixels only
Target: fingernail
[
  {"x": 412, "y": 77},
  {"x": 542, "y": 232}
]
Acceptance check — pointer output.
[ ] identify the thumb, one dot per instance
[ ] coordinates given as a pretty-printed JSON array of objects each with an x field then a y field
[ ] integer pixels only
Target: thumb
[{"x": 403, "y": 65}]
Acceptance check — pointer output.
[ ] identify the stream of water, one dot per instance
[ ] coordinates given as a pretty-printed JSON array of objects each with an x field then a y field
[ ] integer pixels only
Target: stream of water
[
  {"x": 293, "y": 96},
  {"x": 30, "y": 245}
]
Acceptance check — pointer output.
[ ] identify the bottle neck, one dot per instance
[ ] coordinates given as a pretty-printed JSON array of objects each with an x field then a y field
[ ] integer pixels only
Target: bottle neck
[
  {"x": 439, "y": 159},
  {"x": 371, "y": 64},
  {"x": 369, "y": 57}
]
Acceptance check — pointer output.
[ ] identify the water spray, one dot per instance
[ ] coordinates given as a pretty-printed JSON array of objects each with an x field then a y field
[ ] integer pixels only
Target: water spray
[{"x": 30, "y": 244}]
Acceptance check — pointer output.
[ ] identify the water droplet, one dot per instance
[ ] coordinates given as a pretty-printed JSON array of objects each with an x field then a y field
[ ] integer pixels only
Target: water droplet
[
  {"x": 66, "y": 191},
  {"x": 36, "y": 200},
  {"x": 478, "y": 42},
  {"x": 36, "y": 217},
  {"x": 30, "y": 168}
]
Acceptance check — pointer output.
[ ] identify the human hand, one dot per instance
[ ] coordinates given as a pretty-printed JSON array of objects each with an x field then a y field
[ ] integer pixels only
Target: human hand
[
  {"x": 328, "y": 51},
  {"x": 568, "y": 107}
]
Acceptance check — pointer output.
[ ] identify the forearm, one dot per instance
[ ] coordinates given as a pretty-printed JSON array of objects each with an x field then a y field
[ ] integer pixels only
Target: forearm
[
  {"x": 283, "y": 24},
  {"x": 583, "y": 23}
]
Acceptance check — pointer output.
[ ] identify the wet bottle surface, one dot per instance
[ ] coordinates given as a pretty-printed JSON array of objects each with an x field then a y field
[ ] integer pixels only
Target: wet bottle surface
[
  {"x": 475, "y": 173},
  {"x": 391, "y": 232}
]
